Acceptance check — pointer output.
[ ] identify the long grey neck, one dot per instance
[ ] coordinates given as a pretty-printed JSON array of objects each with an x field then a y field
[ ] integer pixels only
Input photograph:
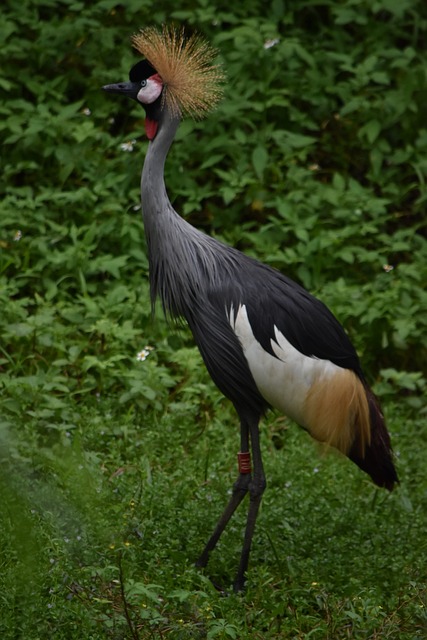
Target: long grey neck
[
  {"x": 170, "y": 239},
  {"x": 155, "y": 201},
  {"x": 183, "y": 261}
]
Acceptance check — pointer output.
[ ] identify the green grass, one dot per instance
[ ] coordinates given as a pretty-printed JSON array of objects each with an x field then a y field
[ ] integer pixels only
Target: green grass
[{"x": 100, "y": 530}]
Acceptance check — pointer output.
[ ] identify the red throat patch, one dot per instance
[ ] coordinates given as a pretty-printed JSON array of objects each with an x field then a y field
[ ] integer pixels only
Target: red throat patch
[{"x": 150, "y": 128}]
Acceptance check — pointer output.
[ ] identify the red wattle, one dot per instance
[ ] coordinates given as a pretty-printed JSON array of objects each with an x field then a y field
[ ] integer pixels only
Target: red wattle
[{"x": 150, "y": 128}]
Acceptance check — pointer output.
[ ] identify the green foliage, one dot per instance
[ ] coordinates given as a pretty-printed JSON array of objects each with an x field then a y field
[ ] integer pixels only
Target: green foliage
[{"x": 113, "y": 441}]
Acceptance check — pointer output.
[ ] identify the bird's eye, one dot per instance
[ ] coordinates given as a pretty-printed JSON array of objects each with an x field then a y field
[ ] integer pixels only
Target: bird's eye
[{"x": 143, "y": 83}]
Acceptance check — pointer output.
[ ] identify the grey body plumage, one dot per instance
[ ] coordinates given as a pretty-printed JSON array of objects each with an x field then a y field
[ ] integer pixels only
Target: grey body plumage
[{"x": 189, "y": 272}]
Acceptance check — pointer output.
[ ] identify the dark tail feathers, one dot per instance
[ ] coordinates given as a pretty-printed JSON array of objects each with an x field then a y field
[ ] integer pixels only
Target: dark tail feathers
[{"x": 378, "y": 458}]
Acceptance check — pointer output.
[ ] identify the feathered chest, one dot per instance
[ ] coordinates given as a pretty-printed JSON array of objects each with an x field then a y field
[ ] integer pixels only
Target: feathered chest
[{"x": 187, "y": 268}]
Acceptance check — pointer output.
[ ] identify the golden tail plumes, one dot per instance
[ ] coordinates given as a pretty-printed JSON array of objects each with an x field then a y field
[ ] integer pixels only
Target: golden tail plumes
[
  {"x": 343, "y": 412},
  {"x": 338, "y": 412}
]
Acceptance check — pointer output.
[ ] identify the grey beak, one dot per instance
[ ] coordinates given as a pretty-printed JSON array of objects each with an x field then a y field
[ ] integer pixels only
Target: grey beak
[{"x": 129, "y": 89}]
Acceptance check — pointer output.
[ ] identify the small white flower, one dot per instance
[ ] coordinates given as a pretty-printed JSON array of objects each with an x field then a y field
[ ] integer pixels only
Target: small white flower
[
  {"x": 17, "y": 236},
  {"x": 271, "y": 43},
  {"x": 128, "y": 146},
  {"x": 86, "y": 111},
  {"x": 144, "y": 353},
  {"x": 388, "y": 267}
]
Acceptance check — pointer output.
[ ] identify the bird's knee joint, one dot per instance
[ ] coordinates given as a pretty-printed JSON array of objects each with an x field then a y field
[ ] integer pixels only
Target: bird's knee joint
[
  {"x": 257, "y": 487},
  {"x": 242, "y": 483}
]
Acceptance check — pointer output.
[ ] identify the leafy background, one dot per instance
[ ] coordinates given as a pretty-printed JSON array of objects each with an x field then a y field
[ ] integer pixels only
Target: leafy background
[{"x": 112, "y": 468}]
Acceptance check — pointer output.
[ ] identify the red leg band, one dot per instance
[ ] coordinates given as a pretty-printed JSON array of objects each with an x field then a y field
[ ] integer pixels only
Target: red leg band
[{"x": 244, "y": 460}]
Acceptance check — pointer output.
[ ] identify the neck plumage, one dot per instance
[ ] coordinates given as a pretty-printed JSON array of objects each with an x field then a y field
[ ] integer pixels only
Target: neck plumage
[
  {"x": 180, "y": 257},
  {"x": 155, "y": 200}
]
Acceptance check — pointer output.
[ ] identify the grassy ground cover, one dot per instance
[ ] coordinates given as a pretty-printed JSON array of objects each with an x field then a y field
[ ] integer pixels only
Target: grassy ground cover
[{"x": 101, "y": 524}]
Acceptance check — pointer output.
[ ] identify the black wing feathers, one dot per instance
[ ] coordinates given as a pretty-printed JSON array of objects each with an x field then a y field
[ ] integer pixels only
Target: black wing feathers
[
  {"x": 272, "y": 300},
  {"x": 303, "y": 319},
  {"x": 223, "y": 357}
]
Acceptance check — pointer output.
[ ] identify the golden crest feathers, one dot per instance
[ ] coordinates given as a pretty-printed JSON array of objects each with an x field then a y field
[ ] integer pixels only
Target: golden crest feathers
[{"x": 192, "y": 80}]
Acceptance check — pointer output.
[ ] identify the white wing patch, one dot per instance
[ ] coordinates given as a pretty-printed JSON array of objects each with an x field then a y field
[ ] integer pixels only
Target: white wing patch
[{"x": 285, "y": 380}]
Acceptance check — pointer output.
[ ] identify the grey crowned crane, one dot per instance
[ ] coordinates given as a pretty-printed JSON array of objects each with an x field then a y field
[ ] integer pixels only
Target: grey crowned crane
[{"x": 265, "y": 340}]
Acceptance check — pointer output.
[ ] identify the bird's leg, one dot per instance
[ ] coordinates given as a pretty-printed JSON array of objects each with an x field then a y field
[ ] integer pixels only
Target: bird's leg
[
  {"x": 240, "y": 489},
  {"x": 256, "y": 489},
  {"x": 255, "y": 484}
]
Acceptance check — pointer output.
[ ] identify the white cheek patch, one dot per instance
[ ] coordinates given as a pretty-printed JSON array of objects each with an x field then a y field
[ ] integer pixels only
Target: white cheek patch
[{"x": 151, "y": 91}]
